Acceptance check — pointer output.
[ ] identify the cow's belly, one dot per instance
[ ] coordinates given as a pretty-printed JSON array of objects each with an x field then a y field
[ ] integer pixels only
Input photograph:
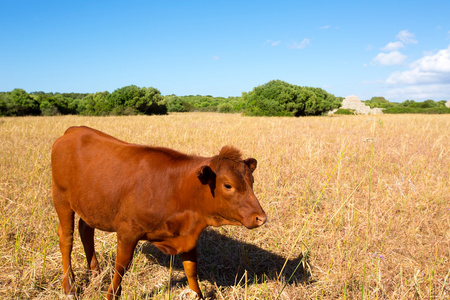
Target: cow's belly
[{"x": 97, "y": 214}]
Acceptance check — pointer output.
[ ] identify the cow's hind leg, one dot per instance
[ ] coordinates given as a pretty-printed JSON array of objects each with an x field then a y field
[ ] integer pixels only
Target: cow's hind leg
[
  {"x": 65, "y": 233},
  {"x": 87, "y": 237}
]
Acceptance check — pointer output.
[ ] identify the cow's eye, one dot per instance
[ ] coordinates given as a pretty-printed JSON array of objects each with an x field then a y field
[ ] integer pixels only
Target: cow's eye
[{"x": 227, "y": 186}]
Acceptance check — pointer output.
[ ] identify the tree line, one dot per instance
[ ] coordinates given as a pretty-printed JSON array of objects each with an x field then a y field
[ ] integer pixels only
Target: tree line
[
  {"x": 129, "y": 100},
  {"x": 409, "y": 106},
  {"x": 275, "y": 98}
]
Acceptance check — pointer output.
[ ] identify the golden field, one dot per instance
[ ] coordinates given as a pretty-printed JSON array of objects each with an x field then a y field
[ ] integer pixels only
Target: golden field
[{"x": 358, "y": 208}]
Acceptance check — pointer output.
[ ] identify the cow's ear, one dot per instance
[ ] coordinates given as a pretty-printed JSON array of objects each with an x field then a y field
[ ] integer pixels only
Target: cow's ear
[
  {"x": 205, "y": 174},
  {"x": 251, "y": 163}
]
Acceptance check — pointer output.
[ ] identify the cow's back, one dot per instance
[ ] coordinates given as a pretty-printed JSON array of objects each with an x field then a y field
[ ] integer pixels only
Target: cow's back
[{"x": 78, "y": 153}]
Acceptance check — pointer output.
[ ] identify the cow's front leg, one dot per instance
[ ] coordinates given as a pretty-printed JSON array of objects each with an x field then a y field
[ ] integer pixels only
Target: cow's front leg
[
  {"x": 125, "y": 249},
  {"x": 190, "y": 268}
]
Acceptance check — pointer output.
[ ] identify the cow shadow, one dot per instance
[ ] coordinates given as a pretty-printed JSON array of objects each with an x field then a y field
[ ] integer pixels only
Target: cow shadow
[{"x": 224, "y": 261}]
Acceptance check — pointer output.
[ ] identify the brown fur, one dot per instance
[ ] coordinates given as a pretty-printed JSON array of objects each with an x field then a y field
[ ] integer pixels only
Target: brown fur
[
  {"x": 231, "y": 153},
  {"x": 145, "y": 193}
]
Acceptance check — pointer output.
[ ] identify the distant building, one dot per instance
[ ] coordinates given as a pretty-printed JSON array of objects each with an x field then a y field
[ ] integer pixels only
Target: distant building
[{"x": 353, "y": 102}]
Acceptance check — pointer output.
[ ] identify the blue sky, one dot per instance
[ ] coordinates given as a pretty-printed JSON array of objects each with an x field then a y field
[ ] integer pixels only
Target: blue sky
[{"x": 396, "y": 49}]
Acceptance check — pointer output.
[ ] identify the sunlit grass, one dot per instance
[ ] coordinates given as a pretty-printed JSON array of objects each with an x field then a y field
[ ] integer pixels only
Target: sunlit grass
[{"x": 378, "y": 227}]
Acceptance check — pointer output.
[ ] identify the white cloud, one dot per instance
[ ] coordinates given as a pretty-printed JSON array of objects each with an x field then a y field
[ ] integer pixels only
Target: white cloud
[
  {"x": 275, "y": 43},
  {"x": 325, "y": 27},
  {"x": 300, "y": 45},
  {"x": 272, "y": 43},
  {"x": 419, "y": 92},
  {"x": 426, "y": 78},
  {"x": 430, "y": 69},
  {"x": 406, "y": 37},
  {"x": 216, "y": 57},
  {"x": 390, "y": 59},
  {"x": 392, "y": 46},
  {"x": 410, "y": 77},
  {"x": 438, "y": 63},
  {"x": 395, "y": 57}
]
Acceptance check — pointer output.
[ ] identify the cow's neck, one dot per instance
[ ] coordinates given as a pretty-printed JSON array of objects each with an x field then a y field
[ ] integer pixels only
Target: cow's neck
[{"x": 187, "y": 215}]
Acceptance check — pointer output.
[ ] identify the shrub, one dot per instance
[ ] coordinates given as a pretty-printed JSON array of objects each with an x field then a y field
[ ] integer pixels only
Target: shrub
[
  {"x": 344, "y": 111},
  {"x": 417, "y": 110},
  {"x": 144, "y": 100},
  {"x": 225, "y": 108},
  {"x": 279, "y": 98},
  {"x": 175, "y": 104}
]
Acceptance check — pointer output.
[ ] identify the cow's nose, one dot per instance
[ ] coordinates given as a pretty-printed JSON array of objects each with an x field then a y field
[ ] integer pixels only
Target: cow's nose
[{"x": 261, "y": 219}]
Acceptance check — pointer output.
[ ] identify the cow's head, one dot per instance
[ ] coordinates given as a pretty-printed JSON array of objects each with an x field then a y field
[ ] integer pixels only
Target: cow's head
[{"x": 230, "y": 182}]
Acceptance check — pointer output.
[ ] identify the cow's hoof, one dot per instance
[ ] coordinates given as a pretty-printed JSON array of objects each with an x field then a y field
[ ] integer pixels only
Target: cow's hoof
[{"x": 188, "y": 294}]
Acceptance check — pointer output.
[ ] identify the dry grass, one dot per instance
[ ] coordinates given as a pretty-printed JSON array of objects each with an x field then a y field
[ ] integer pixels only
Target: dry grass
[{"x": 380, "y": 230}]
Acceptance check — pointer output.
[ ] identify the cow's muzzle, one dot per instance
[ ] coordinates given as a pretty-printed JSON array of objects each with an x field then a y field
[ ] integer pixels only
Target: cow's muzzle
[{"x": 257, "y": 220}]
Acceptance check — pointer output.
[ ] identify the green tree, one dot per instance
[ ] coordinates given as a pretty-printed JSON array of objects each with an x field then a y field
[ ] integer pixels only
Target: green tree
[
  {"x": 152, "y": 102},
  {"x": 48, "y": 108},
  {"x": 428, "y": 104},
  {"x": 279, "y": 98},
  {"x": 3, "y": 108},
  {"x": 95, "y": 104},
  {"x": 135, "y": 100},
  {"x": 441, "y": 103},
  {"x": 20, "y": 103},
  {"x": 380, "y": 102},
  {"x": 175, "y": 104},
  {"x": 58, "y": 103},
  {"x": 407, "y": 103},
  {"x": 225, "y": 108}
]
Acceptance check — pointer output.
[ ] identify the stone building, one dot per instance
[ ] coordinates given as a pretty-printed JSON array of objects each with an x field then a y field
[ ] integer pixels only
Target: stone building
[{"x": 353, "y": 102}]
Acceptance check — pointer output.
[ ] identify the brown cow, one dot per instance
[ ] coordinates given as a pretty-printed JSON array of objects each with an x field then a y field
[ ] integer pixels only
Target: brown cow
[{"x": 145, "y": 193}]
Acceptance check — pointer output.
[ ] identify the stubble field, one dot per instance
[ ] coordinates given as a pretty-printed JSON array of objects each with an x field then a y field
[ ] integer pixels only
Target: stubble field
[{"x": 358, "y": 208}]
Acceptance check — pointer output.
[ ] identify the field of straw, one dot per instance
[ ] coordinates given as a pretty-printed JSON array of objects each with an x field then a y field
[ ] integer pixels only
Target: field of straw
[{"x": 358, "y": 208}]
